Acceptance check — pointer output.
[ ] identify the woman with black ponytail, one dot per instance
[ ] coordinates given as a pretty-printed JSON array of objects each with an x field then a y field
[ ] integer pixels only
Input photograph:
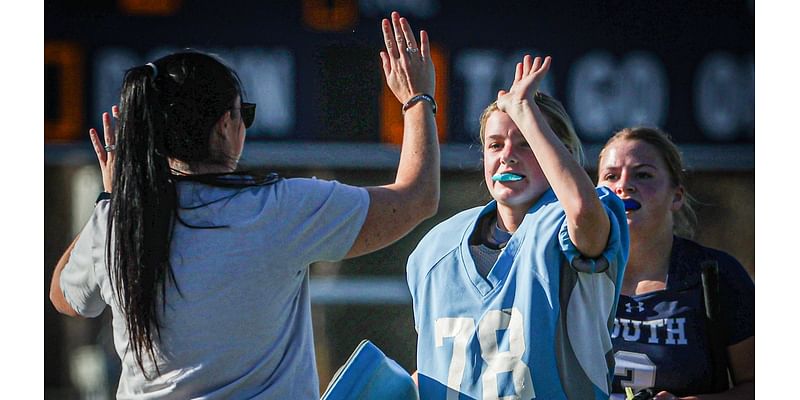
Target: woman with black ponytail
[{"x": 206, "y": 268}]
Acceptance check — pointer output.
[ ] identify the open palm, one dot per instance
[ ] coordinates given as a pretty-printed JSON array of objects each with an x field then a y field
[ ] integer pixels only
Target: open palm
[
  {"x": 106, "y": 153},
  {"x": 408, "y": 67},
  {"x": 529, "y": 75}
]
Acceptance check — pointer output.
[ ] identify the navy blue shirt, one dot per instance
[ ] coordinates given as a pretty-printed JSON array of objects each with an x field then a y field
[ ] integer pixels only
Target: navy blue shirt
[{"x": 662, "y": 340}]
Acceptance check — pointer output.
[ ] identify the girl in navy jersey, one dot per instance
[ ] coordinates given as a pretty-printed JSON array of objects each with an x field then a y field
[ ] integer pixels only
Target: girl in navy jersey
[{"x": 665, "y": 338}]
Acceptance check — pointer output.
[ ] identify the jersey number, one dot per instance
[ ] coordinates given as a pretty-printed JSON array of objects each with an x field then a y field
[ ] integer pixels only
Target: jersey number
[
  {"x": 462, "y": 329},
  {"x": 641, "y": 369}
]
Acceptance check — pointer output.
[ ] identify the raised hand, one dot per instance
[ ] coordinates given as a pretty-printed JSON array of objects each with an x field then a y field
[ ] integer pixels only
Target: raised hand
[
  {"x": 407, "y": 66},
  {"x": 106, "y": 154},
  {"x": 529, "y": 74}
]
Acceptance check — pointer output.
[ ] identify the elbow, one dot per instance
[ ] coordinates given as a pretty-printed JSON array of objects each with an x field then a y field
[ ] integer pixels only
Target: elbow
[
  {"x": 407, "y": 207},
  {"x": 419, "y": 198},
  {"x": 428, "y": 205},
  {"x": 431, "y": 208},
  {"x": 594, "y": 221},
  {"x": 60, "y": 303},
  {"x": 68, "y": 311},
  {"x": 419, "y": 203},
  {"x": 62, "y": 309},
  {"x": 590, "y": 234}
]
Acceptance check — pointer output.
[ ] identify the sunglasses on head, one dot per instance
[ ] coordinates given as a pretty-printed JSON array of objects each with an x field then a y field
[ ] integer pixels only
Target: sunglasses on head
[{"x": 248, "y": 113}]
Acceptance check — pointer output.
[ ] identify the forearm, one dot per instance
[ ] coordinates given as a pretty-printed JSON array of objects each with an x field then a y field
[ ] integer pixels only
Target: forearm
[
  {"x": 56, "y": 294},
  {"x": 395, "y": 209},
  {"x": 587, "y": 220},
  {"x": 418, "y": 173}
]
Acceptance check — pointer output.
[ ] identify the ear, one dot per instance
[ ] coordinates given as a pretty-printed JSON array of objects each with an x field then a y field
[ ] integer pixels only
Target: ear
[
  {"x": 222, "y": 124},
  {"x": 678, "y": 198}
]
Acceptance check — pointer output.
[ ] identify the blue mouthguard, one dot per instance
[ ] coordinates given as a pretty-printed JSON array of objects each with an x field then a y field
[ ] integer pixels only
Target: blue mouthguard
[
  {"x": 506, "y": 177},
  {"x": 631, "y": 204}
]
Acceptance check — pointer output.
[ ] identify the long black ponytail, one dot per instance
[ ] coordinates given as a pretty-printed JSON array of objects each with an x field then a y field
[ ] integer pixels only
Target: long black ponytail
[{"x": 168, "y": 110}]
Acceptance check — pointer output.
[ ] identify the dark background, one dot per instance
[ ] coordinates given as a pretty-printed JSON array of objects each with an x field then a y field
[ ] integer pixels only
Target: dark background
[
  {"x": 334, "y": 75},
  {"x": 313, "y": 68}
]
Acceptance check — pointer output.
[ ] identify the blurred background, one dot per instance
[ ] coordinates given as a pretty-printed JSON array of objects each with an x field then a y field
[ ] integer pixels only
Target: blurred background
[{"x": 312, "y": 67}]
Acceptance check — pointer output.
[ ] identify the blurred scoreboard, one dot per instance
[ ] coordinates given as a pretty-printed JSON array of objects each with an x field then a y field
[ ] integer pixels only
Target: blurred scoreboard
[{"x": 312, "y": 66}]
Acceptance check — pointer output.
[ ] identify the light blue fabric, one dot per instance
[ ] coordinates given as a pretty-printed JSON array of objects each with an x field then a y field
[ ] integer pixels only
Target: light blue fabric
[
  {"x": 241, "y": 325},
  {"x": 369, "y": 375},
  {"x": 538, "y": 324}
]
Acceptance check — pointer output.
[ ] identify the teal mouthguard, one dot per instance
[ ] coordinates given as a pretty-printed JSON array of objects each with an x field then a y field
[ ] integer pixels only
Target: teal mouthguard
[{"x": 506, "y": 177}]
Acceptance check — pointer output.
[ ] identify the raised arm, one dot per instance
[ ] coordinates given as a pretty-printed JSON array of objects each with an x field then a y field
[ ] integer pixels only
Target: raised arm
[
  {"x": 587, "y": 221},
  {"x": 395, "y": 209},
  {"x": 106, "y": 158}
]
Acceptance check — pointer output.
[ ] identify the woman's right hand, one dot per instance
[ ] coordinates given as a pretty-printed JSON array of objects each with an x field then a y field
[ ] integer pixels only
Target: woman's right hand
[
  {"x": 398, "y": 207},
  {"x": 529, "y": 74},
  {"x": 407, "y": 66},
  {"x": 106, "y": 154}
]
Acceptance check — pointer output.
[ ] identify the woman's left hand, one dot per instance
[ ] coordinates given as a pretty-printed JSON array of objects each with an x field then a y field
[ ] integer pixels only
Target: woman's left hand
[
  {"x": 106, "y": 154},
  {"x": 529, "y": 74}
]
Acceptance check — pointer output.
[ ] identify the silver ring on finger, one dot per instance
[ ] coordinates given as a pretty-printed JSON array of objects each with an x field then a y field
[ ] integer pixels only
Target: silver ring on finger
[
  {"x": 412, "y": 50},
  {"x": 110, "y": 147}
]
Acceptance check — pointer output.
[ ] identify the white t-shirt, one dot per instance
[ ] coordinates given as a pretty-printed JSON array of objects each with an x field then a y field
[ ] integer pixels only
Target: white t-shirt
[{"x": 241, "y": 325}]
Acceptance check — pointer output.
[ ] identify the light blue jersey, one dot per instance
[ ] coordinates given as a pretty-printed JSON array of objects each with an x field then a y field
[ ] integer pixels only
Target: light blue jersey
[{"x": 538, "y": 325}]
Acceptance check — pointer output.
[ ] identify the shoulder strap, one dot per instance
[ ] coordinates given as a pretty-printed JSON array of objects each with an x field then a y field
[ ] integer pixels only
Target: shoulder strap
[{"x": 709, "y": 274}]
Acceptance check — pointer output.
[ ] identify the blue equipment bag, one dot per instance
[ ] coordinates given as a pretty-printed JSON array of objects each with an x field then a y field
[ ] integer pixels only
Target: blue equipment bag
[{"x": 369, "y": 374}]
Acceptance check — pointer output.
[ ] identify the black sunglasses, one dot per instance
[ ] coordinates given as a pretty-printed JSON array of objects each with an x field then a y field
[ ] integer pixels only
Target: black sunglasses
[{"x": 248, "y": 113}]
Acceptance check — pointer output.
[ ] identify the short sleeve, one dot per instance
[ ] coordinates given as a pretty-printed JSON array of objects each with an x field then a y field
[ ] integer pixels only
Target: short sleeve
[
  {"x": 79, "y": 280},
  {"x": 326, "y": 215},
  {"x": 616, "y": 251},
  {"x": 737, "y": 300}
]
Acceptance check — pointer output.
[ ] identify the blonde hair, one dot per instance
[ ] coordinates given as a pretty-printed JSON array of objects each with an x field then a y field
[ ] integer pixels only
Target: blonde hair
[
  {"x": 685, "y": 218},
  {"x": 557, "y": 118}
]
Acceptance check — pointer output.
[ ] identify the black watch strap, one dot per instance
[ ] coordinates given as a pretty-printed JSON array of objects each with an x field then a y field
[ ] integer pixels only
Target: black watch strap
[{"x": 103, "y": 196}]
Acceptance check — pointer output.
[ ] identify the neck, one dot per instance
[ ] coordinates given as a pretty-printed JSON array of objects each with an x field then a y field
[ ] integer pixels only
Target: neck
[
  {"x": 648, "y": 261},
  {"x": 509, "y": 219},
  {"x": 184, "y": 168}
]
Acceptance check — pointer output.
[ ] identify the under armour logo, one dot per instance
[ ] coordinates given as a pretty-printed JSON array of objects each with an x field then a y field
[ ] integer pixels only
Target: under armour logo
[{"x": 629, "y": 307}]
